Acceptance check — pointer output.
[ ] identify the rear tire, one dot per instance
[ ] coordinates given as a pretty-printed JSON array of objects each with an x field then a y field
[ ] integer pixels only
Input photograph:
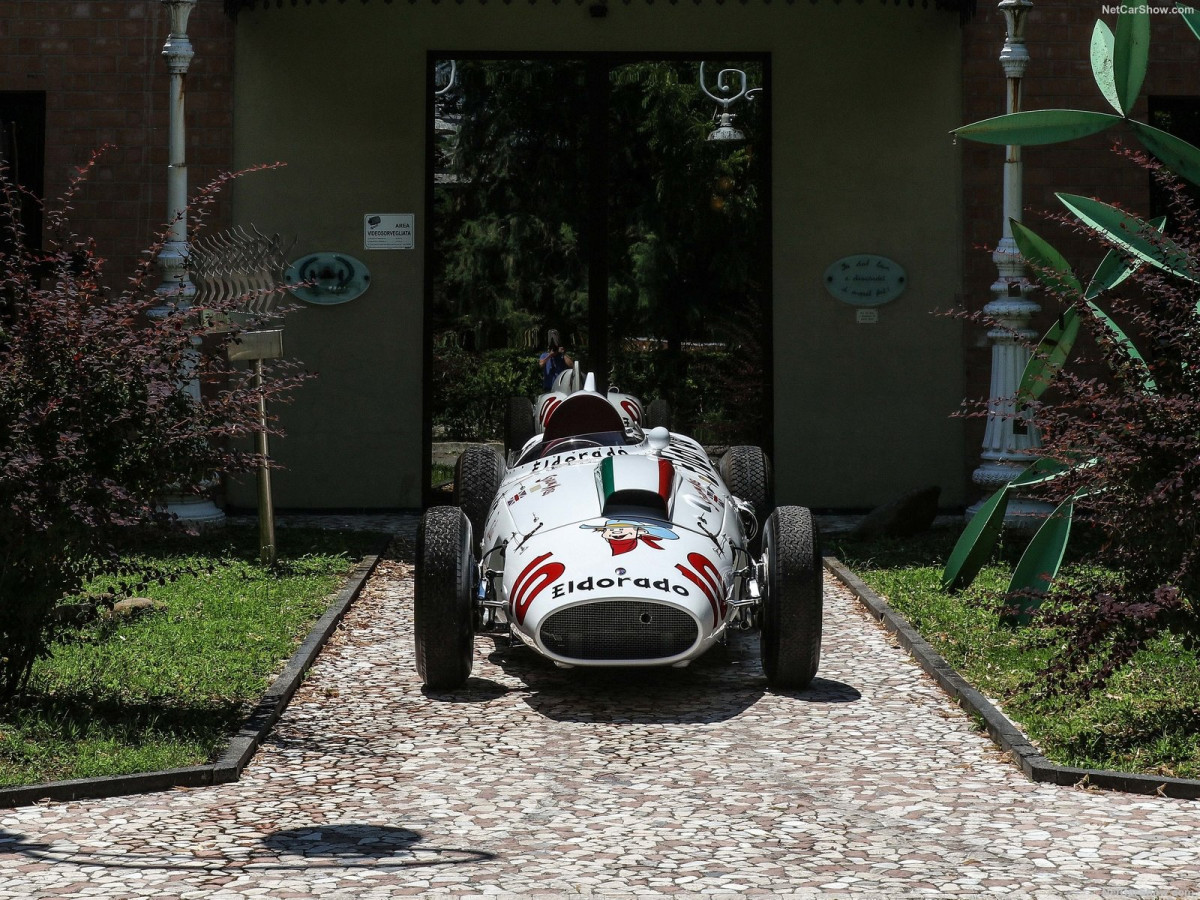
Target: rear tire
[
  {"x": 477, "y": 477},
  {"x": 519, "y": 426},
  {"x": 658, "y": 414},
  {"x": 792, "y": 598},
  {"x": 444, "y": 598},
  {"x": 747, "y": 473}
]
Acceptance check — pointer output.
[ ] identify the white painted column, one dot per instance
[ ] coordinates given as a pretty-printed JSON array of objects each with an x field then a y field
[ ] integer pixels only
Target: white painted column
[
  {"x": 176, "y": 289},
  {"x": 1006, "y": 441}
]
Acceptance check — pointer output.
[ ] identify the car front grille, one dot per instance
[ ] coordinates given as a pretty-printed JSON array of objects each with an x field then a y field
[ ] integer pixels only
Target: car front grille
[{"x": 619, "y": 630}]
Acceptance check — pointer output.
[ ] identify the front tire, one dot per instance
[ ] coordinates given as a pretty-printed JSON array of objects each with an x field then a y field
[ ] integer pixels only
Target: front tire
[
  {"x": 477, "y": 477},
  {"x": 792, "y": 598},
  {"x": 444, "y": 598}
]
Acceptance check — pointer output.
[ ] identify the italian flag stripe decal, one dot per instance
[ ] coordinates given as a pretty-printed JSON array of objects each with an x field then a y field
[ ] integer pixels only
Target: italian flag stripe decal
[
  {"x": 666, "y": 478},
  {"x": 637, "y": 473},
  {"x": 606, "y": 477}
]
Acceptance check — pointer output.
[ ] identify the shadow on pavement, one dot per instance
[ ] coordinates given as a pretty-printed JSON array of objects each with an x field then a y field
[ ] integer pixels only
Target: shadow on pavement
[
  {"x": 374, "y": 844},
  {"x": 338, "y": 846},
  {"x": 823, "y": 690},
  {"x": 11, "y": 842},
  {"x": 343, "y": 840},
  {"x": 475, "y": 690},
  {"x": 723, "y": 683},
  {"x": 715, "y": 687}
]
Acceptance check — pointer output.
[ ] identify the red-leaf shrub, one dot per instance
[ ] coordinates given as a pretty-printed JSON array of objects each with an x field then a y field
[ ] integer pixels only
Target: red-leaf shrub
[
  {"x": 94, "y": 424},
  {"x": 1142, "y": 502}
]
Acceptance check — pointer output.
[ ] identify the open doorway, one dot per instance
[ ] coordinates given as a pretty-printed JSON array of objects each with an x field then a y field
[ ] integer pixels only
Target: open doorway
[{"x": 581, "y": 194}]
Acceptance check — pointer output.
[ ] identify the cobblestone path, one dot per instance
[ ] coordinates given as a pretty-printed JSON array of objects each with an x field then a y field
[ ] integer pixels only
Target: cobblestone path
[{"x": 536, "y": 781}]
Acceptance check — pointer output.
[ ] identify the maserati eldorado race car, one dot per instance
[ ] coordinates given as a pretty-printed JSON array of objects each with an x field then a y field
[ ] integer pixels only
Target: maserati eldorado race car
[{"x": 604, "y": 545}]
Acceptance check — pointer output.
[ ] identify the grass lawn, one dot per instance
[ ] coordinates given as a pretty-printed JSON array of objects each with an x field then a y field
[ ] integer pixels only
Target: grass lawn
[
  {"x": 1147, "y": 719},
  {"x": 167, "y": 688}
]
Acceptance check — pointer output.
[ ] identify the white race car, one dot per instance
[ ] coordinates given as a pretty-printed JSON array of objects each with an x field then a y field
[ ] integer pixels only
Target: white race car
[{"x": 603, "y": 545}]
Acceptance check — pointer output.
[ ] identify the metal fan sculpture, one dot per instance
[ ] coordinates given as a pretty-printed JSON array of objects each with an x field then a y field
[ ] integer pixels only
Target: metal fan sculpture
[{"x": 245, "y": 263}]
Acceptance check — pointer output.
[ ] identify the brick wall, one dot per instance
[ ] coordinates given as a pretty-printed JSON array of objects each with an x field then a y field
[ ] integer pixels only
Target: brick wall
[
  {"x": 1059, "y": 76},
  {"x": 101, "y": 68}
]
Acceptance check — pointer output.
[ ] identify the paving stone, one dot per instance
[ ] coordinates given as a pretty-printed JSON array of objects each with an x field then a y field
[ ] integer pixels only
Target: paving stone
[{"x": 533, "y": 781}]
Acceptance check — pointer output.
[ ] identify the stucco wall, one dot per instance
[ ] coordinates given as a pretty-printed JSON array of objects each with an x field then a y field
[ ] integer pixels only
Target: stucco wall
[{"x": 863, "y": 97}]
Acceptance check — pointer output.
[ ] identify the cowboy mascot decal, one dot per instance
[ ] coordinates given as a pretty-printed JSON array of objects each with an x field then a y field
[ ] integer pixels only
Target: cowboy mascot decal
[{"x": 624, "y": 535}]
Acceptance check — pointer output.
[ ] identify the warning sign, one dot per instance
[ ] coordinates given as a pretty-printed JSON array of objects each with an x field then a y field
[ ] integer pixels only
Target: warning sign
[{"x": 389, "y": 231}]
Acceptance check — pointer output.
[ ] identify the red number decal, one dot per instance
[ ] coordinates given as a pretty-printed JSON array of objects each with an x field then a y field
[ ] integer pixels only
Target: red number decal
[
  {"x": 534, "y": 579},
  {"x": 710, "y": 582}
]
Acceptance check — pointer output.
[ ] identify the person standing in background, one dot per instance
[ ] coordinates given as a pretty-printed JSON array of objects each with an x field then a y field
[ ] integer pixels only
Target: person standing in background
[{"x": 554, "y": 361}]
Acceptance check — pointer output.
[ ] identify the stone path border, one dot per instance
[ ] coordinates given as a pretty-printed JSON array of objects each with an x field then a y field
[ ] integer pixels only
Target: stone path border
[
  {"x": 999, "y": 727},
  {"x": 244, "y": 743}
]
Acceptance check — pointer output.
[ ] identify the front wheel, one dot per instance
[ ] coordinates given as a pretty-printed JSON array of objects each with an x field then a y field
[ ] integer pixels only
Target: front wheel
[
  {"x": 792, "y": 598},
  {"x": 444, "y": 598}
]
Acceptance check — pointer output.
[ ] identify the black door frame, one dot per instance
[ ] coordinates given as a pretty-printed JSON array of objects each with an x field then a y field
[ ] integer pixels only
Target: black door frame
[{"x": 599, "y": 65}]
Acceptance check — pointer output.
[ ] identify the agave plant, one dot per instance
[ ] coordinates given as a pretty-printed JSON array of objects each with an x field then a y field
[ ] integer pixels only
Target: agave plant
[{"x": 1118, "y": 64}]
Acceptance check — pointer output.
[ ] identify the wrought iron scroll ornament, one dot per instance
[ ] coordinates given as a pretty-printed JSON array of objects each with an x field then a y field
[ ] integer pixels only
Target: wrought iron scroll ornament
[
  {"x": 449, "y": 78},
  {"x": 724, "y": 86},
  {"x": 725, "y": 130}
]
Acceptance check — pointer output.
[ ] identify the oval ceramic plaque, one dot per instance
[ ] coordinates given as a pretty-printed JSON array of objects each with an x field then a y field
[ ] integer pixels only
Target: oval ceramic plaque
[
  {"x": 327, "y": 279},
  {"x": 865, "y": 280}
]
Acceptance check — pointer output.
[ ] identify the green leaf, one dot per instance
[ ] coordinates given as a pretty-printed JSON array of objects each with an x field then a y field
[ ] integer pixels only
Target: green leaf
[
  {"x": 975, "y": 544},
  {"x": 1043, "y": 469},
  {"x": 1148, "y": 383},
  {"x": 1189, "y": 16},
  {"x": 978, "y": 539},
  {"x": 1131, "y": 234},
  {"x": 1050, "y": 356},
  {"x": 1114, "y": 268},
  {"x": 1131, "y": 51},
  {"x": 1041, "y": 561},
  {"x": 1179, "y": 156},
  {"x": 1038, "y": 126},
  {"x": 1102, "y": 64},
  {"x": 1055, "y": 270}
]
